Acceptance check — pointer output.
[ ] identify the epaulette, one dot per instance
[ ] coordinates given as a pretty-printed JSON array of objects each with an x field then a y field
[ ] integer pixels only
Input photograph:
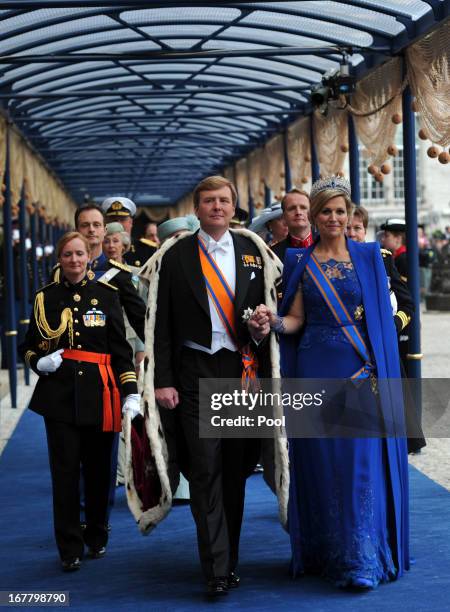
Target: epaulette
[
  {"x": 105, "y": 284},
  {"x": 385, "y": 252},
  {"x": 119, "y": 265},
  {"x": 57, "y": 273},
  {"x": 148, "y": 242},
  {"x": 46, "y": 286}
]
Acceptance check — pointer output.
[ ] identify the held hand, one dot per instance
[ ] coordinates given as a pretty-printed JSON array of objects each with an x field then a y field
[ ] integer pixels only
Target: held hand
[
  {"x": 265, "y": 313},
  {"x": 167, "y": 397},
  {"x": 259, "y": 323},
  {"x": 50, "y": 363},
  {"x": 132, "y": 405}
]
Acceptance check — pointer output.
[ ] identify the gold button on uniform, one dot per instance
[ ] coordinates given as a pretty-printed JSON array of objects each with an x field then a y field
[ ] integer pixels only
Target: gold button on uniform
[
  {"x": 78, "y": 345},
  {"x": 77, "y": 333},
  {"x": 76, "y": 321},
  {"x": 80, "y": 373},
  {"x": 75, "y": 309}
]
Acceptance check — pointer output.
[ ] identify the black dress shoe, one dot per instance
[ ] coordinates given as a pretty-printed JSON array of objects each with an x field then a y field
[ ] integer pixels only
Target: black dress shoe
[
  {"x": 71, "y": 565},
  {"x": 233, "y": 580},
  {"x": 217, "y": 587},
  {"x": 97, "y": 552}
]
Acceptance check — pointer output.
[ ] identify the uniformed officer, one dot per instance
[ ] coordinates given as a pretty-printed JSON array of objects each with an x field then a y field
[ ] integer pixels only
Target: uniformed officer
[
  {"x": 90, "y": 222},
  {"x": 123, "y": 210},
  {"x": 394, "y": 239},
  {"x": 76, "y": 344}
]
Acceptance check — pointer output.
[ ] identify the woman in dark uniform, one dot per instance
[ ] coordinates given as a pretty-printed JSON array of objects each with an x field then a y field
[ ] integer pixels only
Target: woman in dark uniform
[{"x": 76, "y": 344}]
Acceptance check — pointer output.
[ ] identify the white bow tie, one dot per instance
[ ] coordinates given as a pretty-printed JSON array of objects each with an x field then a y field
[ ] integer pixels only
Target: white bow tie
[{"x": 223, "y": 246}]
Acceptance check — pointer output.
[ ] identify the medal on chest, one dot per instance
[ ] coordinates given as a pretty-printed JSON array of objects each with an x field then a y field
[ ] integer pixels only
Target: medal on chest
[{"x": 94, "y": 318}]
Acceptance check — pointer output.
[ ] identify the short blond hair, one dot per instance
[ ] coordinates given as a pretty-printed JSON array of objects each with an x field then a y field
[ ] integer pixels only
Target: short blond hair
[
  {"x": 293, "y": 191},
  {"x": 211, "y": 183},
  {"x": 322, "y": 197},
  {"x": 67, "y": 238}
]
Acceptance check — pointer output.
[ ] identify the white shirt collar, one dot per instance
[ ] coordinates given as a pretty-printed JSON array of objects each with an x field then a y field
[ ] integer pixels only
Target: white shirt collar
[{"x": 207, "y": 238}]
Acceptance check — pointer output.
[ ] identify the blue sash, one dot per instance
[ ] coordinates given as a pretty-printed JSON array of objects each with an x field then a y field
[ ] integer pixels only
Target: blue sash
[{"x": 342, "y": 316}]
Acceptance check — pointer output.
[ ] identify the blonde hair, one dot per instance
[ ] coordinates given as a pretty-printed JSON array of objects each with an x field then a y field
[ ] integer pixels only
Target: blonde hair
[
  {"x": 319, "y": 200},
  {"x": 211, "y": 183},
  {"x": 67, "y": 238},
  {"x": 294, "y": 191}
]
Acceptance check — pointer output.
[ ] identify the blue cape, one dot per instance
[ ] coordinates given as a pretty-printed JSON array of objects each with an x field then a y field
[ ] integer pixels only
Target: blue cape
[{"x": 371, "y": 273}]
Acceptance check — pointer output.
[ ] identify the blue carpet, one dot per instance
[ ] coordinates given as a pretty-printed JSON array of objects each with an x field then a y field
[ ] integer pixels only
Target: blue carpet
[{"x": 161, "y": 571}]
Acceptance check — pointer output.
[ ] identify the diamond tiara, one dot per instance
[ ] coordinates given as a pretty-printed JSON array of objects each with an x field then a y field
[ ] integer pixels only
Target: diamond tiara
[{"x": 331, "y": 182}]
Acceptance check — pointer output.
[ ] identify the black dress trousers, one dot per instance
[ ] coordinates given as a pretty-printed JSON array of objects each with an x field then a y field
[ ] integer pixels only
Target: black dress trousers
[
  {"x": 217, "y": 468},
  {"x": 69, "y": 446}
]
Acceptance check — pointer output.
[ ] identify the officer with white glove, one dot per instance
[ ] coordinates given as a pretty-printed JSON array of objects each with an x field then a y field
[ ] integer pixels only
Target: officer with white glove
[
  {"x": 132, "y": 405},
  {"x": 50, "y": 363}
]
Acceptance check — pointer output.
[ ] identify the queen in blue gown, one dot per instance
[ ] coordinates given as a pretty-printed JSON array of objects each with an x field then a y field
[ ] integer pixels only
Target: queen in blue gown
[{"x": 348, "y": 504}]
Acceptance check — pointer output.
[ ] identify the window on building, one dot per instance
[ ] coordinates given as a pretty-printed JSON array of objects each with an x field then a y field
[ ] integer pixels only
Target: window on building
[{"x": 371, "y": 190}]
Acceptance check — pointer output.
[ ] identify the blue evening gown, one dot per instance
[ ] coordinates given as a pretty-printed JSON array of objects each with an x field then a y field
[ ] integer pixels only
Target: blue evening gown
[{"x": 339, "y": 522}]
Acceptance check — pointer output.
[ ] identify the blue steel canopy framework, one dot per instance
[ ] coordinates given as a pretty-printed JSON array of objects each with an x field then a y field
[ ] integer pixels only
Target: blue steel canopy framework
[{"x": 144, "y": 102}]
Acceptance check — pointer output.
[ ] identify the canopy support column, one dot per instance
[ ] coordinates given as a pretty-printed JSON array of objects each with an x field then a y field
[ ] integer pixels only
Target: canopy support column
[
  {"x": 315, "y": 168},
  {"x": 34, "y": 262},
  {"x": 287, "y": 167},
  {"x": 267, "y": 196},
  {"x": 24, "y": 279},
  {"x": 409, "y": 162},
  {"x": 11, "y": 325},
  {"x": 354, "y": 161}
]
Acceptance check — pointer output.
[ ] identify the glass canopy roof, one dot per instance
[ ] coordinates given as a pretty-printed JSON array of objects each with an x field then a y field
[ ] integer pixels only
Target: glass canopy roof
[{"x": 144, "y": 102}]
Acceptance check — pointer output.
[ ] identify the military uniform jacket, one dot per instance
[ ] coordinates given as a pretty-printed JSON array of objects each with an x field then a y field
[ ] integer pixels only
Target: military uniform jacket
[
  {"x": 405, "y": 304},
  {"x": 183, "y": 310},
  {"x": 74, "y": 393},
  {"x": 130, "y": 299},
  {"x": 140, "y": 251}
]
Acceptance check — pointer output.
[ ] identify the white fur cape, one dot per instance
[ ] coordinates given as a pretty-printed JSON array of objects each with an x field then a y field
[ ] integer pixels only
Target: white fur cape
[{"x": 148, "y": 519}]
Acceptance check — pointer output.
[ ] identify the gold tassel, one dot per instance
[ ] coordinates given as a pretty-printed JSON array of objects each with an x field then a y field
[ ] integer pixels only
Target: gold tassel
[{"x": 44, "y": 328}]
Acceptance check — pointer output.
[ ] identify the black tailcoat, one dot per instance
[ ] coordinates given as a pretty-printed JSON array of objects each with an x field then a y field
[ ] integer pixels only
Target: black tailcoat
[{"x": 183, "y": 308}]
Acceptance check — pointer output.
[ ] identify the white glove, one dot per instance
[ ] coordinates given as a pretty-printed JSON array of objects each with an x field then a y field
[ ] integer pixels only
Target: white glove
[
  {"x": 132, "y": 405},
  {"x": 50, "y": 363}
]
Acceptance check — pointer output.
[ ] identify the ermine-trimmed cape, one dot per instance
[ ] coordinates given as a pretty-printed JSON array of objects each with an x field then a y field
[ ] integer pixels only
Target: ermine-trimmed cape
[{"x": 148, "y": 519}]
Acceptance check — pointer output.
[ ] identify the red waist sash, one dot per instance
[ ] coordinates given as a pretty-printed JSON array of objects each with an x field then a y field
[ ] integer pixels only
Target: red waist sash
[{"x": 111, "y": 409}]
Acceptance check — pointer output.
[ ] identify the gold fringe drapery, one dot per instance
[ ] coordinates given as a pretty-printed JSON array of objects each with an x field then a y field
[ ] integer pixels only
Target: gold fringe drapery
[
  {"x": 29, "y": 173},
  {"x": 376, "y": 99},
  {"x": 228, "y": 173},
  {"x": 273, "y": 165},
  {"x": 16, "y": 166},
  {"x": 428, "y": 71},
  {"x": 3, "y": 132},
  {"x": 184, "y": 206},
  {"x": 241, "y": 173},
  {"x": 255, "y": 177},
  {"x": 330, "y": 133},
  {"x": 299, "y": 148}
]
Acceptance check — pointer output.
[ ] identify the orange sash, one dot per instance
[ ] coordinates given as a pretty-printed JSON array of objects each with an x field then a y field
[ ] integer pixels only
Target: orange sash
[
  {"x": 111, "y": 409},
  {"x": 222, "y": 296}
]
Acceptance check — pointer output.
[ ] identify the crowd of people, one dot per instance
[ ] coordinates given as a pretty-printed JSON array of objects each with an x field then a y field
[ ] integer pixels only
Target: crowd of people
[{"x": 196, "y": 300}]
